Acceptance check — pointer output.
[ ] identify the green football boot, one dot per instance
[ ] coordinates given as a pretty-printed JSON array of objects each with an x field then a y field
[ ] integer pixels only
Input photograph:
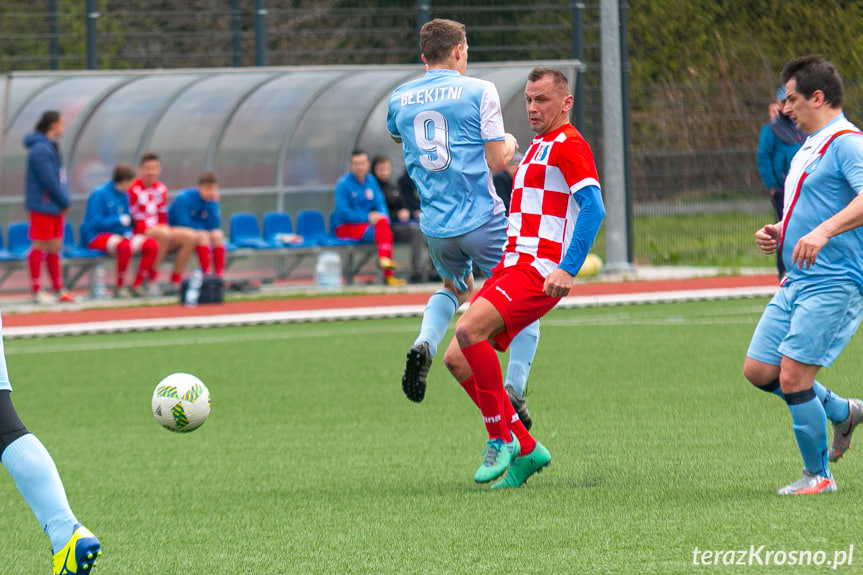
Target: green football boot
[
  {"x": 525, "y": 466},
  {"x": 497, "y": 457}
]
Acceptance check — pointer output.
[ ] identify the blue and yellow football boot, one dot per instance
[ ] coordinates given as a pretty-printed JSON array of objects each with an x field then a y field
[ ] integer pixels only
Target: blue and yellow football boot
[{"x": 78, "y": 556}]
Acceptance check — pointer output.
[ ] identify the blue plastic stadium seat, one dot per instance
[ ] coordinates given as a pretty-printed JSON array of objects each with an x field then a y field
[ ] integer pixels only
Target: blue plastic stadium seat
[
  {"x": 5, "y": 255},
  {"x": 310, "y": 225},
  {"x": 73, "y": 250},
  {"x": 19, "y": 240},
  {"x": 245, "y": 232},
  {"x": 277, "y": 225}
]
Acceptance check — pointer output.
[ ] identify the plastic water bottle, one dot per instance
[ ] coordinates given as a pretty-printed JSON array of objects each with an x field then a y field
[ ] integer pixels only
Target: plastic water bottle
[
  {"x": 98, "y": 291},
  {"x": 193, "y": 292},
  {"x": 328, "y": 272}
]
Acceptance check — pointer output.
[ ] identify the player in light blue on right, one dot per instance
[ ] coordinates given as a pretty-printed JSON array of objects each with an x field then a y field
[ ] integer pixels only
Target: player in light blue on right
[
  {"x": 820, "y": 303},
  {"x": 453, "y": 139}
]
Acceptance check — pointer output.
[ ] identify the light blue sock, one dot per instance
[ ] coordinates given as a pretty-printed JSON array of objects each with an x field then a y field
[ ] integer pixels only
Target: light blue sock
[
  {"x": 521, "y": 353},
  {"x": 36, "y": 476},
  {"x": 440, "y": 308},
  {"x": 810, "y": 430},
  {"x": 835, "y": 407}
]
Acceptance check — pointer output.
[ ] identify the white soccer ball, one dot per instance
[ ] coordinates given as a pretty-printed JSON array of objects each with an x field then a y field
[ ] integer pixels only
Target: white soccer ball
[{"x": 181, "y": 402}]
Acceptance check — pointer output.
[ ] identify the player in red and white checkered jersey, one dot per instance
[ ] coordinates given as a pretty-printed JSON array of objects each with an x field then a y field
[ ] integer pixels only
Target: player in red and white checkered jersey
[
  {"x": 555, "y": 213},
  {"x": 148, "y": 205}
]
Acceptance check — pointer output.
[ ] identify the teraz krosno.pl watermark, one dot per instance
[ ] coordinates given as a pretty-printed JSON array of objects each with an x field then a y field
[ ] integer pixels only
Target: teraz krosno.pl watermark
[{"x": 761, "y": 555}]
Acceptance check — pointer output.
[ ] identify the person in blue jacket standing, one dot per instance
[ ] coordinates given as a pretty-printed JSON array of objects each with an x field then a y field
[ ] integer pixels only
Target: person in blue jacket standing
[
  {"x": 107, "y": 227},
  {"x": 780, "y": 139},
  {"x": 198, "y": 209},
  {"x": 46, "y": 199}
]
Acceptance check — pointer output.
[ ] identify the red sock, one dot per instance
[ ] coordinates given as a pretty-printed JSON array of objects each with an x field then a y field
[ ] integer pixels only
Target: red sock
[
  {"x": 219, "y": 260},
  {"x": 176, "y": 278},
  {"x": 204, "y": 258},
  {"x": 384, "y": 238},
  {"x": 149, "y": 251},
  {"x": 469, "y": 385},
  {"x": 53, "y": 263},
  {"x": 34, "y": 263},
  {"x": 525, "y": 439},
  {"x": 124, "y": 255},
  {"x": 489, "y": 388}
]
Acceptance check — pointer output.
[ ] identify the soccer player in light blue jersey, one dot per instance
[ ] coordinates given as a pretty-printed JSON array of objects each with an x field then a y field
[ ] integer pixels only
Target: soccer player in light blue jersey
[
  {"x": 453, "y": 139},
  {"x": 820, "y": 303},
  {"x": 74, "y": 547}
]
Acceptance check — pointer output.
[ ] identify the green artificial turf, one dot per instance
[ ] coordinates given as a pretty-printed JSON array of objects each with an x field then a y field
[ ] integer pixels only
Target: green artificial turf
[{"x": 313, "y": 461}]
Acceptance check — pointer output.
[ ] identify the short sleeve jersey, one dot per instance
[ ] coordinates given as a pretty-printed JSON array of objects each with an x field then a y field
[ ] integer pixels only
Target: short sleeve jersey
[
  {"x": 825, "y": 175},
  {"x": 443, "y": 120},
  {"x": 543, "y": 210},
  {"x": 148, "y": 206}
]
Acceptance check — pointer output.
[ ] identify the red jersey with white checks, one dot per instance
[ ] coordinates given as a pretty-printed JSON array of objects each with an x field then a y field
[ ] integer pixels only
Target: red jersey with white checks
[
  {"x": 543, "y": 210},
  {"x": 147, "y": 206}
]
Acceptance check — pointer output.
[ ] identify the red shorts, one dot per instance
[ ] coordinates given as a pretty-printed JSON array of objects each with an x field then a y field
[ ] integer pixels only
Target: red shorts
[
  {"x": 46, "y": 227},
  {"x": 516, "y": 293},
  {"x": 352, "y": 231},
  {"x": 106, "y": 242}
]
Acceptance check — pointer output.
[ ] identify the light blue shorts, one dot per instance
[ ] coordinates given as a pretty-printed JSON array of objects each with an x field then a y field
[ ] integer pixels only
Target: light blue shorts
[
  {"x": 807, "y": 322},
  {"x": 454, "y": 258}
]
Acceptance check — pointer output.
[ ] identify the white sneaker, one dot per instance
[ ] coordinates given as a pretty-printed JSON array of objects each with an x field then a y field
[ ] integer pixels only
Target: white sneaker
[
  {"x": 43, "y": 298},
  {"x": 122, "y": 293},
  {"x": 153, "y": 290},
  {"x": 809, "y": 484}
]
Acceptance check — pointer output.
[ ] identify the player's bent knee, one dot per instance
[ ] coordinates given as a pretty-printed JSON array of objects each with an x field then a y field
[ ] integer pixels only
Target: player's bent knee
[
  {"x": 150, "y": 246},
  {"x": 456, "y": 363},
  {"x": 451, "y": 360},
  {"x": 123, "y": 248},
  {"x": 793, "y": 382},
  {"x": 465, "y": 332},
  {"x": 758, "y": 373}
]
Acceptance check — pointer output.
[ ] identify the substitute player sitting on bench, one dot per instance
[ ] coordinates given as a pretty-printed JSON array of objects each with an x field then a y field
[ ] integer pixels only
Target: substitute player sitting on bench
[
  {"x": 107, "y": 227},
  {"x": 198, "y": 209}
]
